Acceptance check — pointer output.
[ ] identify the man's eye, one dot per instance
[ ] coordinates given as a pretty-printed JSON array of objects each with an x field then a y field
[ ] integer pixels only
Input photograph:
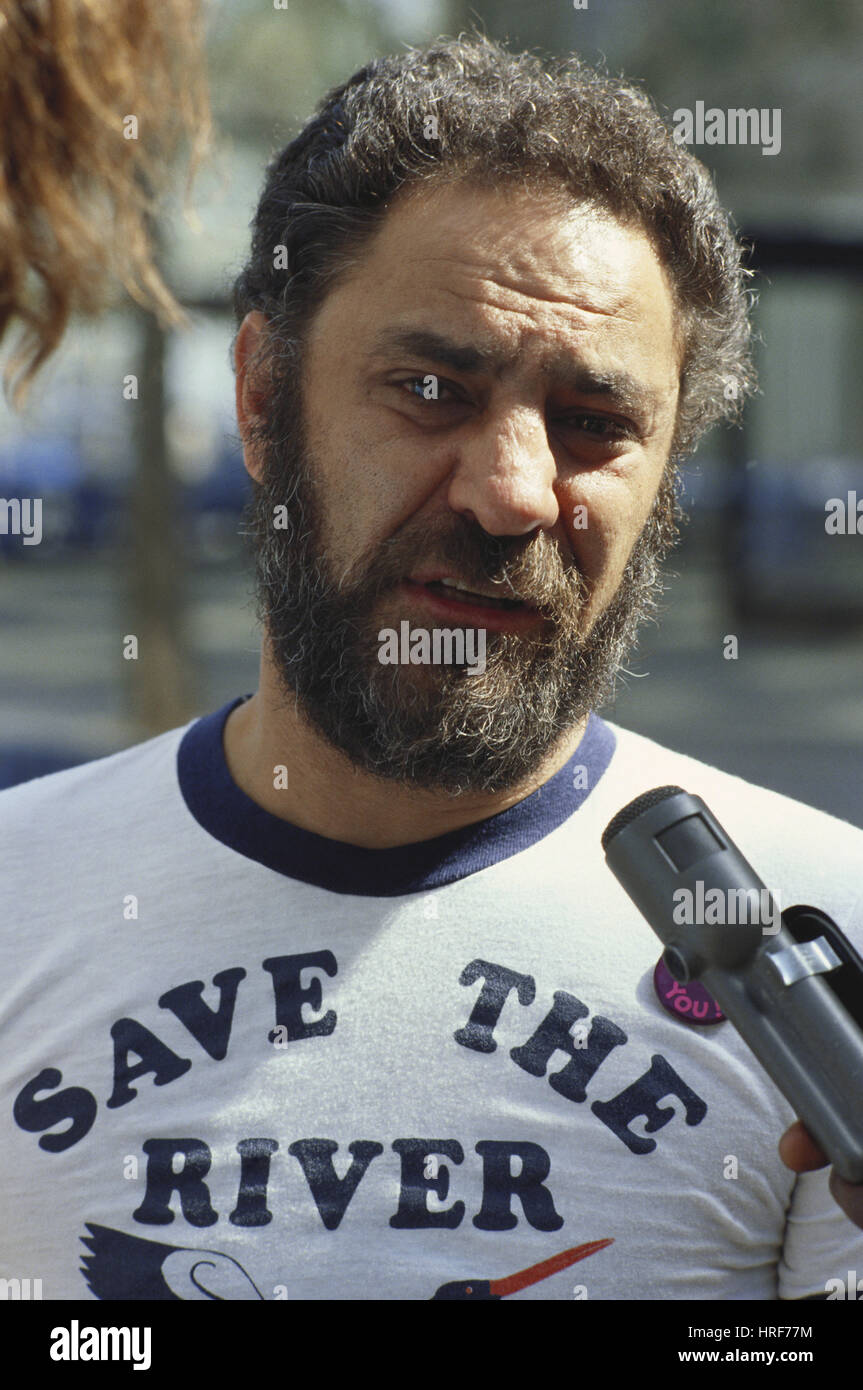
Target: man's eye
[
  {"x": 599, "y": 427},
  {"x": 426, "y": 388}
]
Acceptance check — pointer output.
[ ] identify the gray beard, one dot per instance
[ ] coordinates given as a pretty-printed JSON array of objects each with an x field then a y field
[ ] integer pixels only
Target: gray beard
[{"x": 436, "y": 727}]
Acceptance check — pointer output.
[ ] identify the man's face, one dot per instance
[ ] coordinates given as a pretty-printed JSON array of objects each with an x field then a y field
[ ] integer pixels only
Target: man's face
[{"x": 526, "y": 470}]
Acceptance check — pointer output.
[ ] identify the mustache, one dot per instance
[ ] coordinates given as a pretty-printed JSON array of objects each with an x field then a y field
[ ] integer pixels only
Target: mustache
[{"x": 533, "y": 570}]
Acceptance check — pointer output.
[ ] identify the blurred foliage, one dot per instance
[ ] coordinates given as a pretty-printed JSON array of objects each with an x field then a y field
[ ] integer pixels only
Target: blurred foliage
[
  {"x": 804, "y": 56},
  {"x": 269, "y": 68}
]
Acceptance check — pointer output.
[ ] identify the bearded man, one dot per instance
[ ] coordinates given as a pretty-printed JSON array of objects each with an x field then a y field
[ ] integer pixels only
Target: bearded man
[{"x": 335, "y": 983}]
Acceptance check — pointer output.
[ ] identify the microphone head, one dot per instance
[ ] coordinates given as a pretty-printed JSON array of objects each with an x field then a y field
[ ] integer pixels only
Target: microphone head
[{"x": 635, "y": 808}]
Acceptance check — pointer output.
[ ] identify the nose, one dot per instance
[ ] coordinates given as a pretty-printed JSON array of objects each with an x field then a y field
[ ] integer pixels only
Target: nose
[{"x": 505, "y": 476}]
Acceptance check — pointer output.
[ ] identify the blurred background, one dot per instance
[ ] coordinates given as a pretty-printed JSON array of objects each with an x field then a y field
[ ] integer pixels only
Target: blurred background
[{"x": 142, "y": 497}]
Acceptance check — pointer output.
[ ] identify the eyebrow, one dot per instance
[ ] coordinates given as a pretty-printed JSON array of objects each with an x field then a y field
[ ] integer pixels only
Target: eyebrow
[{"x": 619, "y": 387}]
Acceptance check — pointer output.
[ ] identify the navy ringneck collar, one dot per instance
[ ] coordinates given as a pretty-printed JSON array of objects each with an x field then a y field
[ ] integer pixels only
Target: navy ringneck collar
[{"x": 229, "y": 815}]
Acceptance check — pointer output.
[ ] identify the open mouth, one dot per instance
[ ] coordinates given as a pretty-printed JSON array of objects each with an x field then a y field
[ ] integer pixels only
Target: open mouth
[{"x": 458, "y": 593}]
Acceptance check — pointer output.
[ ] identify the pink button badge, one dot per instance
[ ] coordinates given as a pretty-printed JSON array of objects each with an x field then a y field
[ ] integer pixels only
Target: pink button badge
[{"x": 690, "y": 1003}]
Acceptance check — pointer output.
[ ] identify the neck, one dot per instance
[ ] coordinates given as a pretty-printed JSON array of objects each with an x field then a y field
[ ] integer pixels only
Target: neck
[{"x": 326, "y": 794}]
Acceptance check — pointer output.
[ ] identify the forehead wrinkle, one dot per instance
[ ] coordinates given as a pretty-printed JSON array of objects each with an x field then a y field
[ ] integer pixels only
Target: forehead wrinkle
[
  {"x": 563, "y": 360},
  {"x": 618, "y": 297},
  {"x": 481, "y": 352}
]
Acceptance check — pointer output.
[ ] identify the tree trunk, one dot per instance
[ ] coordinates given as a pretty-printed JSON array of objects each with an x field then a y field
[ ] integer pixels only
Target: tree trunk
[{"x": 160, "y": 680}]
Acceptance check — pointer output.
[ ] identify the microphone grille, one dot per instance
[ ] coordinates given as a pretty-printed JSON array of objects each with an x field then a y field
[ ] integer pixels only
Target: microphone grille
[{"x": 634, "y": 809}]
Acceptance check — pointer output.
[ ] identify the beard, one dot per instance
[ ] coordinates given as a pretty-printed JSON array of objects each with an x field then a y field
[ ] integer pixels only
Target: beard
[{"x": 446, "y": 728}]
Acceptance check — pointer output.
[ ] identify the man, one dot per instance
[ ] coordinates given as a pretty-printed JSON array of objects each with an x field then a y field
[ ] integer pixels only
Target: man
[{"x": 331, "y": 995}]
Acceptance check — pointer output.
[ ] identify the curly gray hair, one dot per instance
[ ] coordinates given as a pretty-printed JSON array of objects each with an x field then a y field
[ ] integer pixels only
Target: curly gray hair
[{"x": 500, "y": 116}]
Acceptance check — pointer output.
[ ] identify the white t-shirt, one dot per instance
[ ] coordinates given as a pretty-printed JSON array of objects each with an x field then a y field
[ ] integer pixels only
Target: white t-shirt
[{"x": 244, "y": 1061}]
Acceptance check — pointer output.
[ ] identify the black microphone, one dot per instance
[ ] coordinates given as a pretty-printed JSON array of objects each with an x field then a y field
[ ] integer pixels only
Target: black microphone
[{"x": 790, "y": 982}]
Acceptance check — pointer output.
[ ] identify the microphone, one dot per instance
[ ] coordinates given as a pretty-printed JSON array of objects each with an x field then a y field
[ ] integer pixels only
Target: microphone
[{"x": 790, "y": 982}]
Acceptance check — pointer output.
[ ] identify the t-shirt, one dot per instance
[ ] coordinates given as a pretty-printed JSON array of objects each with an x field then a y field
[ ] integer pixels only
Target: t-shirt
[{"x": 244, "y": 1061}]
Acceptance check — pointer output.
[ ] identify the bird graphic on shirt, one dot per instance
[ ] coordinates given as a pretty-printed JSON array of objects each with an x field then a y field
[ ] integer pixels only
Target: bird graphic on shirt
[
  {"x": 473, "y": 1290},
  {"x": 120, "y": 1266}
]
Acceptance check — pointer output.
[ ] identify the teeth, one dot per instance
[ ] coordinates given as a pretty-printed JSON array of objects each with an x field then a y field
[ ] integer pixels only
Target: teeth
[
  {"x": 454, "y": 584},
  {"x": 466, "y": 595}
]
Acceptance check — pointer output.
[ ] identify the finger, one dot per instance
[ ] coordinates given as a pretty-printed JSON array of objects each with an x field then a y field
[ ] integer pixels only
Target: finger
[{"x": 798, "y": 1150}]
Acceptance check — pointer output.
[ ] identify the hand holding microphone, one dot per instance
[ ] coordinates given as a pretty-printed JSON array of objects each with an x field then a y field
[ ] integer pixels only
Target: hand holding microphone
[
  {"x": 798, "y": 1151},
  {"x": 790, "y": 983}
]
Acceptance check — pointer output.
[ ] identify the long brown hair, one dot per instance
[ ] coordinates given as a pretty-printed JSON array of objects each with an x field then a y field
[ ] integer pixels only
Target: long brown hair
[{"x": 76, "y": 192}]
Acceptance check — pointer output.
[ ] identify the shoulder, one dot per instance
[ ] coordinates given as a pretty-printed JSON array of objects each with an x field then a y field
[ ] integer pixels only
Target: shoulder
[
  {"x": 642, "y": 760},
  {"x": 103, "y": 790},
  {"x": 808, "y": 854}
]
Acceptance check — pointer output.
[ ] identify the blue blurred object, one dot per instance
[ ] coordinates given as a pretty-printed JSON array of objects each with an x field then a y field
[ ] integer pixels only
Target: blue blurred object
[
  {"x": 79, "y": 511},
  {"x": 224, "y": 490},
  {"x": 785, "y": 561},
  {"x": 35, "y": 466},
  {"x": 214, "y": 504},
  {"x": 23, "y": 764}
]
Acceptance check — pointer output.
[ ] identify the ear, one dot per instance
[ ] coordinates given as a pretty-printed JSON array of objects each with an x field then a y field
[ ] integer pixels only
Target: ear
[{"x": 250, "y": 395}]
